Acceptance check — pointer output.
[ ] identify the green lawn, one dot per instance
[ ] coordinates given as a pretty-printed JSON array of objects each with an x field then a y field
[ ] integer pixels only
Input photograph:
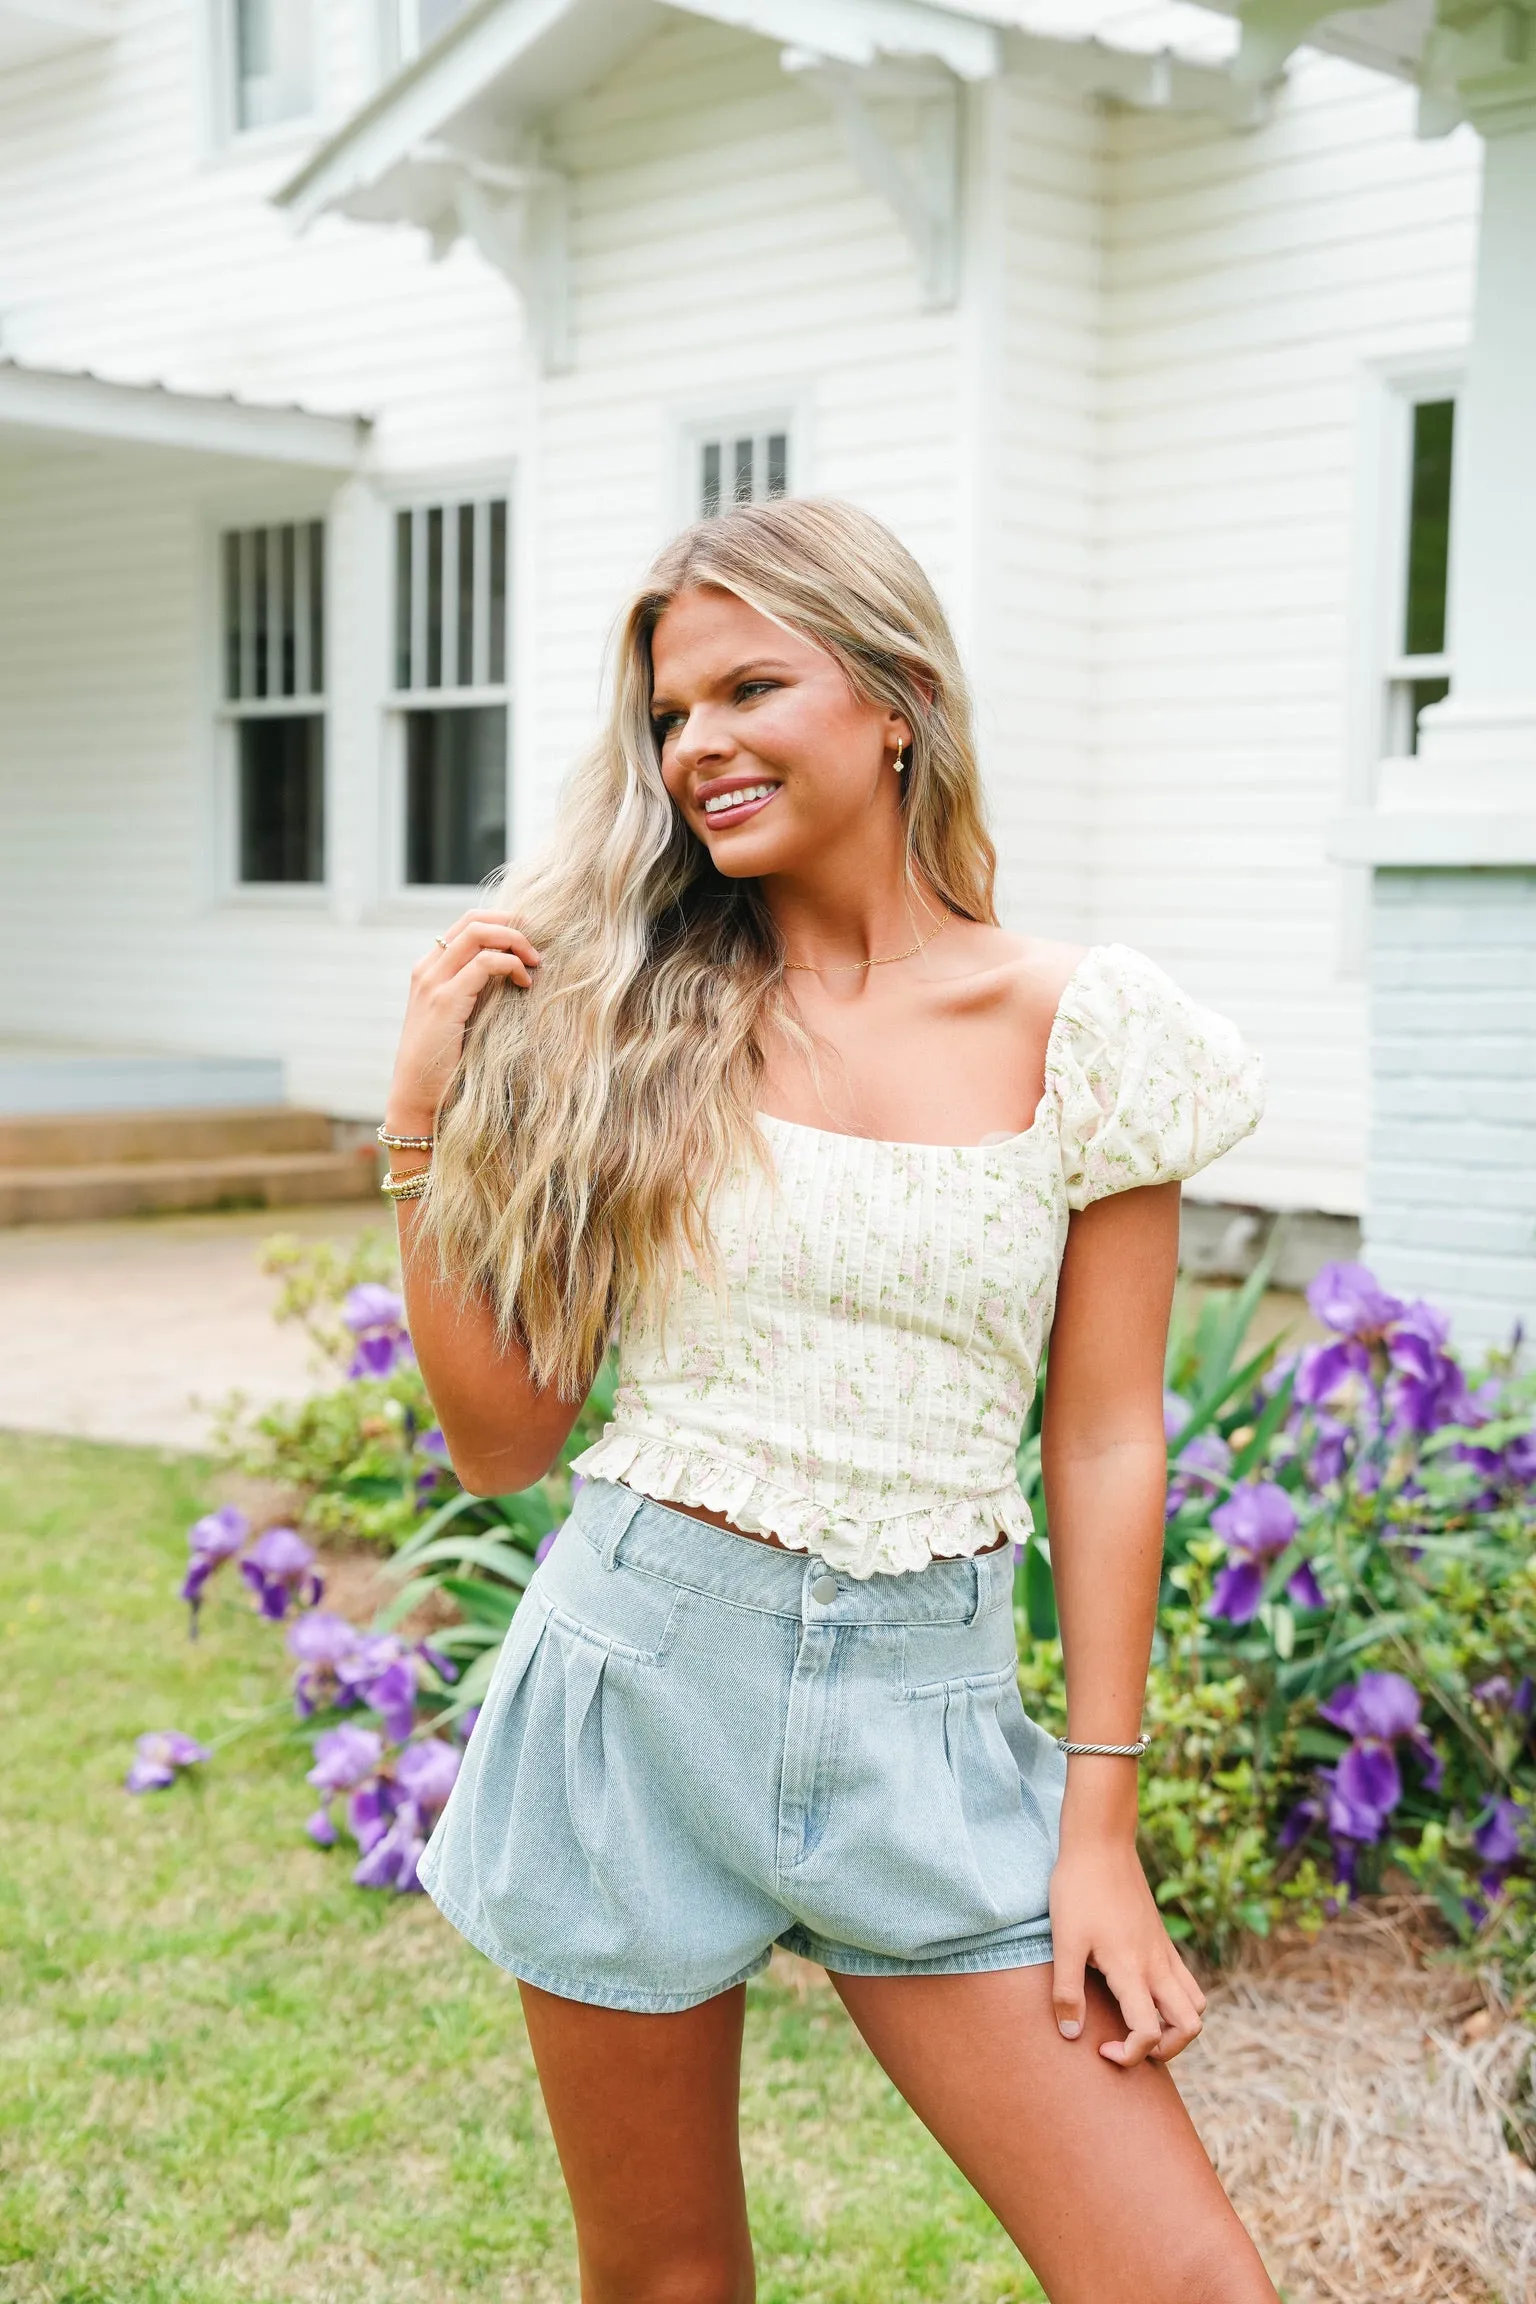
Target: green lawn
[{"x": 226, "y": 2073}]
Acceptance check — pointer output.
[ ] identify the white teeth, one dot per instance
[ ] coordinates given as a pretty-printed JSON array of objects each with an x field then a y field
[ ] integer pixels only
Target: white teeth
[{"x": 722, "y": 800}]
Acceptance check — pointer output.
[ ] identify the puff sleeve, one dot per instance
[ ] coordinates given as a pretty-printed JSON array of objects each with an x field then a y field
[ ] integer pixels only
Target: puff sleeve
[{"x": 1150, "y": 1087}]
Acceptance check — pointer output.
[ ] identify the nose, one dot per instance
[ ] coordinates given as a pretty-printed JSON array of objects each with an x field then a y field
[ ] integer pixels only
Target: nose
[{"x": 702, "y": 742}]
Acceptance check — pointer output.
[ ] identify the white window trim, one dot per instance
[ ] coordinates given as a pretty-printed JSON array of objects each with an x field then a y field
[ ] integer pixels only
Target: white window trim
[
  {"x": 221, "y": 718},
  {"x": 399, "y": 897},
  {"x": 227, "y": 140},
  {"x": 786, "y": 410},
  {"x": 1383, "y": 449}
]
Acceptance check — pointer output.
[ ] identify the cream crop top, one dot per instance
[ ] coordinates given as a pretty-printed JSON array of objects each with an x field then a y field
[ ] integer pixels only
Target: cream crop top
[{"x": 858, "y": 1387}]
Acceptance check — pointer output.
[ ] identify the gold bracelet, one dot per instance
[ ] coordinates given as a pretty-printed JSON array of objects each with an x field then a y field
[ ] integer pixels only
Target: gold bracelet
[
  {"x": 412, "y": 1187},
  {"x": 405, "y": 1143}
]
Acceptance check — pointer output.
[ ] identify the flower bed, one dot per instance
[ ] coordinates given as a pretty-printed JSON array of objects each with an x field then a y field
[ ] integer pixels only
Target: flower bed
[{"x": 1342, "y": 1681}]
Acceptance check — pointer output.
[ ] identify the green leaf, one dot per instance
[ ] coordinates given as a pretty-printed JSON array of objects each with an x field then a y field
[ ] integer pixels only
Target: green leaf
[
  {"x": 480, "y": 1552},
  {"x": 1039, "y": 1591},
  {"x": 484, "y": 1603}
]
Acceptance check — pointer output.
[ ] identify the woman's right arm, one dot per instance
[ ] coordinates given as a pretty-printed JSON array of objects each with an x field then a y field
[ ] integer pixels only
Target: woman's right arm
[{"x": 503, "y": 1431}]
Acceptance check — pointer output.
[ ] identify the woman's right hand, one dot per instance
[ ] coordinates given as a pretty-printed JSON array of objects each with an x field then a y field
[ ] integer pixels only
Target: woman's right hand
[{"x": 445, "y": 984}]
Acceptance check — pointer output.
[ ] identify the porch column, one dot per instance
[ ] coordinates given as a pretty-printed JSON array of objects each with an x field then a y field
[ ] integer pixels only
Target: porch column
[{"x": 1450, "y": 1210}]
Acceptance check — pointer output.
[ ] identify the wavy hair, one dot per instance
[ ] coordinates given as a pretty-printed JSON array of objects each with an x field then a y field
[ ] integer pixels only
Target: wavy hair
[{"x": 592, "y": 1118}]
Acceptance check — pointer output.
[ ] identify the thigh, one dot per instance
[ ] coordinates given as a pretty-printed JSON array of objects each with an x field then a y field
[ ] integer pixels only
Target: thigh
[
  {"x": 645, "y": 2113},
  {"x": 1095, "y": 2173}
]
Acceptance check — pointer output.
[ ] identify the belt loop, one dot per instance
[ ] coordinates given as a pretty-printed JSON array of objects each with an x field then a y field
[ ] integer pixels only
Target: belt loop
[{"x": 625, "y": 1505}]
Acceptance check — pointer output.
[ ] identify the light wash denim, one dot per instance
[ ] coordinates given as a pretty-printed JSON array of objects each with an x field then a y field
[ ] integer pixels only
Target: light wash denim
[{"x": 695, "y": 1747}]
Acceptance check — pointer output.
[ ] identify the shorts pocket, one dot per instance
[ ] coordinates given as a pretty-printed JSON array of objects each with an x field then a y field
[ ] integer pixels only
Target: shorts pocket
[
  {"x": 939, "y": 1659},
  {"x": 629, "y": 1616}
]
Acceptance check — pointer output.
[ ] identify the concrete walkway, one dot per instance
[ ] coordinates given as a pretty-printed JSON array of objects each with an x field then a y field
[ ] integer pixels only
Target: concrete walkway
[{"x": 140, "y": 1330}]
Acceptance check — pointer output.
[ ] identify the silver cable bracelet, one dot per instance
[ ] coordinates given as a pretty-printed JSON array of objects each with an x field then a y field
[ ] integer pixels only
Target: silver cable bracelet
[{"x": 1110, "y": 1751}]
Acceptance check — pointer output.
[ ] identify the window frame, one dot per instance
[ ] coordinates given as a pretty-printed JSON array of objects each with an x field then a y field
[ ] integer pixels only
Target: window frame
[
  {"x": 227, "y": 135},
  {"x": 439, "y": 493},
  {"x": 699, "y": 428},
  {"x": 225, "y": 714},
  {"x": 1392, "y": 670}
]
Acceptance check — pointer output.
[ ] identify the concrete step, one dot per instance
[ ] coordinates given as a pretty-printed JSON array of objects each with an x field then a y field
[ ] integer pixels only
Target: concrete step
[
  {"x": 107, "y": 1139},
  {"x": 76, "y": 1193}
]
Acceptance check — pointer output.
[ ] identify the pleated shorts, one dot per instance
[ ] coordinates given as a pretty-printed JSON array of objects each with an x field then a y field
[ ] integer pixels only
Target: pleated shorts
[{"x": 695, "y": 1747}]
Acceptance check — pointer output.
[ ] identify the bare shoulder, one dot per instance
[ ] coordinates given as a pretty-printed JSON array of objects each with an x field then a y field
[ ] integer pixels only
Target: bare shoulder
[{"x": 994, "y": 968}]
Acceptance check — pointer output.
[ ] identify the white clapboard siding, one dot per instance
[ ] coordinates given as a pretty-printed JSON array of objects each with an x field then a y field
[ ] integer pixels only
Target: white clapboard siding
[{"x": 1250, "y": 281}]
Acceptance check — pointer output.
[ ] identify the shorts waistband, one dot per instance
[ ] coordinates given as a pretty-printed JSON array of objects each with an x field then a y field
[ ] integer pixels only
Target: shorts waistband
[{"x": 620, "y": 1524}]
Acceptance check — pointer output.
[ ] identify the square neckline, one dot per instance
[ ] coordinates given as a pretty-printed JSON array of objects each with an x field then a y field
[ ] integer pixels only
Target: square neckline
[{"x": 993, "y": 1144}]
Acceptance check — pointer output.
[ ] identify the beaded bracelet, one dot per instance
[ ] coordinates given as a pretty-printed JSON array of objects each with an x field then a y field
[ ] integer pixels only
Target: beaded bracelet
[
  {"x": 1110, "y": 1751},
  {"x": 405, "y": 1143},
  {"x": 398, "y": 1188}
]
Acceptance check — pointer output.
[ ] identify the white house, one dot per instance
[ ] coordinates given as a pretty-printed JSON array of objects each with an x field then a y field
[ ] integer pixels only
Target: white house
[{"x": 1151, "y": 331}]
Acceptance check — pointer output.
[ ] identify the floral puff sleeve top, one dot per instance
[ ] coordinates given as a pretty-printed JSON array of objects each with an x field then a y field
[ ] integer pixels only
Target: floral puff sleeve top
[
  {"x": 858, "y": 1387},
  {"x": 1149, "y": 1087}
]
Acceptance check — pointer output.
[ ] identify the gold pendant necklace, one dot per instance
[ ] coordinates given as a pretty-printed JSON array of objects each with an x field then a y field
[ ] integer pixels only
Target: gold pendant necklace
[{"x": 882, "y": 960}]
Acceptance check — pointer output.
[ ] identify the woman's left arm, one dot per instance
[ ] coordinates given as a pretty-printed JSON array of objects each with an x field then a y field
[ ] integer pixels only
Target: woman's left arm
[{"x": 1105, "y": 1466}]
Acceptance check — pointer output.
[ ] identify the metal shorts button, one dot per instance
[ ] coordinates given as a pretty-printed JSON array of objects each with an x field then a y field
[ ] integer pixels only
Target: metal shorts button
[{"x": 824, "y": 1588}]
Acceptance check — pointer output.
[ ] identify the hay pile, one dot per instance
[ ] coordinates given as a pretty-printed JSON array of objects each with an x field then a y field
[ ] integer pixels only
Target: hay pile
[{"x": 1352, "y": 2096}]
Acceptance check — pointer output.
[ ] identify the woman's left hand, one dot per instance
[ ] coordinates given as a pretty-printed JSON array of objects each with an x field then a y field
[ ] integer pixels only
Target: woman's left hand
[{"x": 1103, "y": 1916}]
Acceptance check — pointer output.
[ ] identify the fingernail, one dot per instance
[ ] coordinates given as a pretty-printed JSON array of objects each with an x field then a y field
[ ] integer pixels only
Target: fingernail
[{"x": 1070, "y": 2028}]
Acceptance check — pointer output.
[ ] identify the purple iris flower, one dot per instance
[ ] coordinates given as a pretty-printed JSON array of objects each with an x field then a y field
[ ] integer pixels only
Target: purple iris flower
[
  {"x": 393, "y": 1696},
  {"x": 1351, "y": 1300},
  {"x": 280, "y": 1570},
  {"x": 376, "y": 1317},
  {"x": 1498, "y": 1835},
  {"x": 345, "y": 1758},
  {"x": 432, "y": 1443},
  {"x": 1324, "y": 1370},
  {"x": 545, "y": 1546},
  {"x": 159, "y": 1755},
  {"x": 320, "y": 1643},
  {"x": 1257, "y": 1523},
  {"x": 467, "y": 1723},
  {"x": 1330, "y": 1453},
  {"x": 1428, "y": 1387},
  {"x": 211, "y": 1540},
  {"x": 1378, "y": 1712},
  {"x": 1501, "y": 1694},
  {"x": 1199, "y": 1467},
  {"x": 411, "y": 1797}
]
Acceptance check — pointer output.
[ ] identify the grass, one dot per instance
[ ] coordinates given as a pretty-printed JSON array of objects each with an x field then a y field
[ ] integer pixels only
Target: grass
[{"x": 225, "y": 2073}]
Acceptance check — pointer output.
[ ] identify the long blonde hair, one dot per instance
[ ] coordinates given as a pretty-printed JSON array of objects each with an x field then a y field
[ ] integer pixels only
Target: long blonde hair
[{"x": 592, "y": 1119}]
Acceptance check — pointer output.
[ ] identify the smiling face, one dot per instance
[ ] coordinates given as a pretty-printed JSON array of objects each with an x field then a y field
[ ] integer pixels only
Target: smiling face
[{"x": 773, "y": 760}]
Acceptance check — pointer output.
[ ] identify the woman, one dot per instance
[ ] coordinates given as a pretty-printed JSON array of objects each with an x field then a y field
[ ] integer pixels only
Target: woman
[{"x": 748, "y": 1067}]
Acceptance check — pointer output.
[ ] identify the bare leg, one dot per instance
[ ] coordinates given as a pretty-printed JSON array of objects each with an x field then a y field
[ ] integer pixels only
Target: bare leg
[
  {"x": 1095, "y": 2173},
  {"x": 645, "y": 2115}
]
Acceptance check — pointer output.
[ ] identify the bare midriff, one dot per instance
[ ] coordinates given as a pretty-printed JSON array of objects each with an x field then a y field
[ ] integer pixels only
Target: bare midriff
[{"x": 752, "y": 1536}]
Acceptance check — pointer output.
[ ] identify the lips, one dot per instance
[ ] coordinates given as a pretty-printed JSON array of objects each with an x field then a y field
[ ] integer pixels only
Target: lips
[{"x": 734, "y": 803}]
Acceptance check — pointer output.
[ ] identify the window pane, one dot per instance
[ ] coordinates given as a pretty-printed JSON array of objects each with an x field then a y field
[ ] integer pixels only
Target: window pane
[
  {"x": 778, "y": 463},
  {"x": 232, "y": 616},
  {"x": 1429, "y": 528},
  {"x": 261, "y": 683},
  {"x": 466, "y": 533},
  {"x": 498, "y": 633},
  {"x": 272, "y": 60},
  {"x": 709, "y": 487},
  {"x": 741, "y": 484},
  {"x": 435, "y": 597},
  {"x": 456, "y": 795},
  {"x": 316, "y": 606},
  {"x": 402, "y": 599},
  {"x": 282, "y": 798}
]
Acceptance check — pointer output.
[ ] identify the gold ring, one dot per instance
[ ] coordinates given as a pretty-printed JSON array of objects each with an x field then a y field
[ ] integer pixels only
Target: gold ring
[{"x": 441, "y": 940}]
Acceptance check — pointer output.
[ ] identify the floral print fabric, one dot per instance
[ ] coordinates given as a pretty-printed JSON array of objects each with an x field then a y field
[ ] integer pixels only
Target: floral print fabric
[{"x": 857, "y": 1384}]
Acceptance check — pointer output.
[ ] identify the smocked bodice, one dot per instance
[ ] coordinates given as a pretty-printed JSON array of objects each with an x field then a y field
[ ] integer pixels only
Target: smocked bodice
[{"x": 857, "y": 1383}]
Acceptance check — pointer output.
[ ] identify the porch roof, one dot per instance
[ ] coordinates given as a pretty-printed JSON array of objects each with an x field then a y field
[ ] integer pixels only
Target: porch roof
[
  {"x": 74, "y": 405},
  {"x": 481, "y": 89}
]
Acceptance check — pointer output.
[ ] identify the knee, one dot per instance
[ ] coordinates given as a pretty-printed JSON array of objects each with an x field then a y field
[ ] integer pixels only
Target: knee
[
  {"x": 699, "y": 2277},
  {"x": 1218, "y": 2267}
]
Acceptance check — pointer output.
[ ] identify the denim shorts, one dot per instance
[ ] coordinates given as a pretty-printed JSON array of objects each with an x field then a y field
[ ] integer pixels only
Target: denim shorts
[{"x": 695, "y": 1747}]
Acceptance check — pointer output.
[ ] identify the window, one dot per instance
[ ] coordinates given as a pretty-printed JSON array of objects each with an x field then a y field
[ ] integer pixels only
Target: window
[
  {"x": 406, "y": 27},
  {"x": 274, "y": 698},
  {"x": 1420, "y": 673},
  {"x": 451, "y": 688},
  {"x": 744, "y": 467},
  {"x": 266, "y": 59}
]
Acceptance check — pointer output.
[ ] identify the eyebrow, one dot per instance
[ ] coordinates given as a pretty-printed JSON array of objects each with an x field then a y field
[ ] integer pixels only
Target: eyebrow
[{"x": 661, "y": 702}]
